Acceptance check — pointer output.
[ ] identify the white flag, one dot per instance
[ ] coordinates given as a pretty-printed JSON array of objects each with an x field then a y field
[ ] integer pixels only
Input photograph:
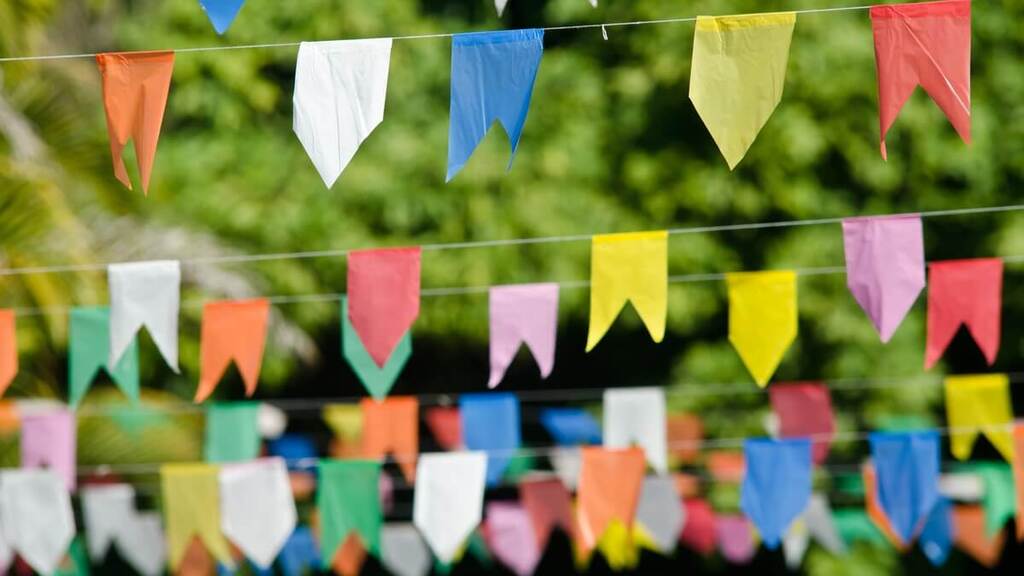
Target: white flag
[
  {"x": 660, "y": 511},
  {"x": 820, "y": 525},
  {"x": 6, "y": 554},
  {"x": 795, "y": 543},
  {"x": 109, "y": 513},
  {"x": 37, "y": 519},
  {"x": 340, "y": 89},
  {"x": 637, "y": 416},
  {"x": 257, "y": 509},
  {"x": 145, "y": 294},
  {"x": 144, "y": 547},
  {"x": 449, "y": 497},
  {"x": 403, "y": 551},
  {"x": 567, "y": 462}
]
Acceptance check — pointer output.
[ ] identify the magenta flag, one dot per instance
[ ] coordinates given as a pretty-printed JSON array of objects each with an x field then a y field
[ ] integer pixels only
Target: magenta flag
[
  {"x": 736, "y": 539},
  {"x": 524, "y": 313},
  {"x": 48, "y": 441},
  {"x": 509, "y": 535},
  {"x": 804, "y": 409}
]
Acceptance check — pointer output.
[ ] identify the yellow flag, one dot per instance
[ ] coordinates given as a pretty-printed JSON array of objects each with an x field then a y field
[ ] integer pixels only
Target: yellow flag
[
  {"x": 618, "y": 546},
  {"x": 737, "y": 75},
  {"x": 973, "y": 402},
  {"x": 191, "y": 494},
  {"x": 762, "y": 319},
  {"x": 345, "y": 420},
  {"x": 628, "y": 268}
]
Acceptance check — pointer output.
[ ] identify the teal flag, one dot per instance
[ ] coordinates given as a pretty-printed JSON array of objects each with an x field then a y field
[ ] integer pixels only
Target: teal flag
[
  {"x": 232, "y": 432},
  {"x": 348, "y": 499},
  {"x": 89, "y": 352},
  {"x": 378, "y": 381}
]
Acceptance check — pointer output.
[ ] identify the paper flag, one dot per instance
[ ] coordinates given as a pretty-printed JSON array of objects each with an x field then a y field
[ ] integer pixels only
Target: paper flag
[
  {"x": 8, "y": 350},
  {"x": 383, "y": 297},
  {"x": 619, "y": 546},
  {"x": 377, "y": 380},
  {"x": 340, "y": 89},
  {"x": 805, "y": 409},
  {"x": 509, "y": 535},
  {"x": 144, "y": 294},
  {"x": 609, "y": 489},
  {"x": 48, "y": 440},
  {"x": 111, "y": 519},
  {"x": 257, "y": 510},
  {"x": 345, "y": 421},
  {"x": 795, "y": 544},
  {"x": 637, "y": 416},
  {"x": 300, "y": 554},
  {"x": 726, "y": 465},
  {"x": 348, "y": 503},
  {"x": 492, "y": 79},
  {"x": 762, "y": 319},
  {"x": 38, "y": 523},
  {"x": 89, "y": 352},
  {"x": 685, "y": 436},
  {"x": 969, "y": 523},
  {"x": 884, "y": 267},
  {"x": 549, "y": 505},
  {"x": 191, "y": 500},
  {"x": 232, "y": 330},
  {"x": 735, "y": 539},
  {"x": 232, "y": 432},
  {"x": 490, "y": 422},
  {"x": 144, "y": 545},
  {"x": 737, "y": 75},
  {"x": 403, "y": 551},
  {"x": 982, "y": 404},
  {"x": 968, "y": 292},
  {"x": 523, "y": 314},
  {"x": 448, "y": 500},
  {"x": 660, "y": 512},
  {"x": 628, "y": 268},
  {"x": 776, "y": 486},
  {"x": 571, "y": 426},
  {"x": 1018, "y": 475},
  {"x": 566, "y": 463},
  {"x": 445, "y": 425},
  {"x": 907, "y": 468},
  {"x": 854, "y": 526},
  {"x": 699, "y": 532},
  {"x": 999, "y": 500},
  {"x": 135, "y": 88},
  {"x": 926, "y": 44},
  {"x": 392, "y": 427},
  {"x": 221, "y": 12},
  {"x": 937, "y": 534},
  {"x": 6, "y": 554},
  {"x": 874, "y": 508},
  {"x": 821, "y": 526}
]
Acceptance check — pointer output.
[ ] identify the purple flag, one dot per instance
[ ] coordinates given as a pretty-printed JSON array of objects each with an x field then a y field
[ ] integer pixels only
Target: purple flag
[
  {"x": 884, "y": 267},
  {"x": 509, "y": 533},
  {"x": 523, "y": 313},
  {"x": 48, "y": 441}
]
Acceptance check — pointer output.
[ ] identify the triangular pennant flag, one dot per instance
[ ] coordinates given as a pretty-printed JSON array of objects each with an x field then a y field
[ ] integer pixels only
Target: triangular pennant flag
[
  {"x": 232, "y": 330},
  {"x": 979, "y": 403},
  {"x": 735, "y": 539},
  {"x": 376, "y": 379},
  {"x": 628, "y": 268},
  {"x": 776, "y": 486},
  {"x": 804, "y": 409},
  {"x": 383, "y": 297},
  {"x": 340, "y": 89},
  {"x": 232, "y": 432},
  {"x": 490, "y": 423},
  {"x": 448, "y": 500},
  {"x": 37, "y": 521},
  {"x": 89, "y": 352},
  {"x": 549, "y": 504},
  {"x": 300, "y": 553},
  {"x": 445, "y": 424},
  {"x": 392, "y": 427},
  {"x": 968, "y": 292},
  {"x": 737, "y": 75},
  {"x": 8, "y": 350},
  {"x": 527, "y": 313},
  {"x": 685, "y": 437},
  {"x": 970, "y": 536},
  {"x": 111, "y": 519},
  {"x": 571, "y": 426},
  {"x": 660, "y": 512},
  {"x": 637, "y": 416},
  {"x": 191, "y": 500},
  {"x": 135, "y": 88},
  {"x": 144, "y": 294},
  {"x": 1018, "y": 475},
  {"x": 699, "y": 533},
  {"x": 221, "y": 12},
  {"x": 762, "y": 319},
  {"x": 937, "y": 534},
  {"x": 492, "y": 79},
  {"x": 509, "y": 535},
  {"x": 926, "y": 44},
  {"x": 257, "y": 510},
  {"x": 349, "y": 503},
  {"x": 907, "y": 468},
  {"x": 403, "y": 551},
  {"x": 48, "y": 440},
  {"x": 884, "y": 267},
  {"x": 609, "y": 489}
]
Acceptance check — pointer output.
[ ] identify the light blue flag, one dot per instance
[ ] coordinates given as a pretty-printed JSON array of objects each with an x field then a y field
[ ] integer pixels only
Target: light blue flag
[
  {"x": 490, "y": 422},
  {"x": 907, "y": 468},
  {"x": 300, "y": 553},
  {"x": 221, "y": 12},
  {"x": 776, "y": 486},
  {"x": 937, "y": 535},
  {"x": 492, "y": 79},
  {"x": 571, "y": 426}
]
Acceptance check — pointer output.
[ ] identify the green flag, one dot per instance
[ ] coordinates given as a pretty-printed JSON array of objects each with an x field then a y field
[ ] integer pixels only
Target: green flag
[
  {"x": 89, "y": 351},
  {"x": 232, "y": 432},
  {"x": 854, "y": 525},
  {"x": 378, "y": 381},
  {"x": 348, "y": 499},
  {"x": 1000, "y": 499}
]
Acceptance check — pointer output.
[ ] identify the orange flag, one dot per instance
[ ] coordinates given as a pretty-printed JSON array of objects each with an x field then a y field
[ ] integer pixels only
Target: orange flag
[
  {"x": 609, "y": 490},
  {"x": 1018, "y": 475},
  {"x": 874, "y": 508},
  {"x": 135, "y": 87},
  {"x": 685, "y": 435},
  {"x": 971, "y": 537},
  {"x": 350, "y": 557},
  {"x": 392, "y": 426},
  {"x": 8, "y": 350},
  {"x": 232, "y": 330}
]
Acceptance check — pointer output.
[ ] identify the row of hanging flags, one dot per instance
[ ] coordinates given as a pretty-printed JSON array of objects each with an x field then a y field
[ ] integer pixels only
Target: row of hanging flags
[
  {"x": 237, "y": 498},
  {"x": 737, "y": 77}
]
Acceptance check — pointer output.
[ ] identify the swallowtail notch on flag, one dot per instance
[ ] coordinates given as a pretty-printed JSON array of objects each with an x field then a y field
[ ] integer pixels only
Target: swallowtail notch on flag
[
  {"x": 145, "y": 294},
  {"x": 348, "y": 502},
  {"x": 979, "y": 404},
  {"x": 522, "y": 314},
  {"x": 609, "y": 491},
  {"x": 968, "y": 292},
  {"x": 89, "y": 352},
  {"x": 232, "y": 330},
  {"x": 391, "y": 426},
  {"x": 191, "y": 503}
]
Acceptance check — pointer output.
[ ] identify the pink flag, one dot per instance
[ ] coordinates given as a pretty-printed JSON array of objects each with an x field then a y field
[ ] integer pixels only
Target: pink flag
[
  {"x": 445, "y": 424},
  {"x": 926, "y": 43},
  {"x": 699, "y": 531},
  {"x": 526, "y": 313},
  {"x": 736, "y": 539},
  {"x": 509, "y": 534},
  {"x": 549, "y": 505},
  {"x": 884, "y": 267},
  {"x": 48, "y": 441},
  {"x": 804, "y": 409},
  {"x": 968, "y": 292},
  {"x": 383, "y": 297}
]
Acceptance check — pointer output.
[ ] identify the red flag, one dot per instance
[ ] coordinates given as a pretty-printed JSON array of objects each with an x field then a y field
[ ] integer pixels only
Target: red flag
[
  {"x": 392, "y": 427},
  {"x": 926, "y": 43},
  {"x": 8, "y": 350},
  {"x": 549, "y": 505},
  {"x": 700, "y": 532},
  {"x": 383, "y": 297},
  {"x": 805, "y": 409},
  {"x": 232, "y": 330},
  {"x": 609, "y": 490},
  {"x": 968, "y": 292},
  {"x": 445, "y": 424}
]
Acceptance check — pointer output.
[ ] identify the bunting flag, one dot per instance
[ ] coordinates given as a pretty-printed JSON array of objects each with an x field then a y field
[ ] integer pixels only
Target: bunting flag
[
  {"x": 112, "y": 520},
  {"x": 737, "y": 75},
  {"x": 660, "y": 514},
  {"x": 699, "y": 532},
  {"x": 776, "y": 486},
  {"x": 873, "y": 507},
  {"x": 392, "y": 427},
  {"x": 144, "y": 546},
  {"x": 549, "y": 504},
  {"x": 490, "y": 423},
  {"x": 735, "y": 539},
  {"x": 403, "y": 552},
  {"x": 804, "y": 409},
  {"x": 345, "y": 421},
  {"x": 232, "y": 330},
  {"x": 300, "y": 554},
  {"x": 191, "y": 500},
  {"x": 48, "y": 441},
  {"x": 999, "y": 495},
  {"x": 609, "y": 490},
  {"x": 970, "y": 536},
  {"x": 937, "y": 534},
  {"x": 89, "y": 352},
  {"x": 795, "y": 544},
  {"x": 509, "y": 535},
  {"x": 445, "y": 424},
  {"x": 854, "y": 525},
  {"x": 8, "y": 350},
  {"x": 448, "y": 499},
  {"x": 566, "y": 463},
  {"x": 884, "y": 267},
  {"x": 348, "y": 503},
  {"x": 979, "y": 403},
  {"x": 926, "y": 44},
  {"x": 38, "y": 523},
  {"x": 492, "y": 79},
  {"x": 257, "y": 510},
  {"x": 685, "y": 437},
  {"x": 383, "y": 297},
  {"x": 221, "y": 12},
  {"x": 968, "y": 292},
  {"x": 1018, "y": 475},
  {"x": 144, "y": 294},
  {"x": 821, "y": 524},
  {"x": 376, "y": 379},
  {"x": 907, "y": 468},
  {"x": 637, "y": 416},
  {"x": 628, "y": 268},
  {"x": 571, "y": 426},
  {"x": 526, "y": 313},
  {"x": 762, "y": 319},
  {"x": 340, "y": 90},
  {"x": 135, "y": 88},
  {"x": 232, "y": 432}
]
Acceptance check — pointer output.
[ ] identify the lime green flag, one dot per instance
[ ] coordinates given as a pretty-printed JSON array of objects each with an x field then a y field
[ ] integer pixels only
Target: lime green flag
[
  {"x": 89, "y": 352},
  {"x": 232, "y": 432},
  {"x": 378, "y": 381},
  {"x": 191, "y": 497},
  {"x": 348, "y": 500}
]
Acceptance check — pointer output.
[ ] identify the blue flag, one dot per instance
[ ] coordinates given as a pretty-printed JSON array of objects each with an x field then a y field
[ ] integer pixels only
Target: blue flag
[
  {"x": 571, "y": 426},
  {"x": 221, "y": 12},
  {"x": 776, "y": 486},
  {"x": 300, "y": 554},
  {"x": 937, "y": 536},
  {"x": 298, "y": 451},
  {"x": 490, "y": 422},
  {"x": 907, "y": 467},
  {"x": 492, "y": 79}
]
